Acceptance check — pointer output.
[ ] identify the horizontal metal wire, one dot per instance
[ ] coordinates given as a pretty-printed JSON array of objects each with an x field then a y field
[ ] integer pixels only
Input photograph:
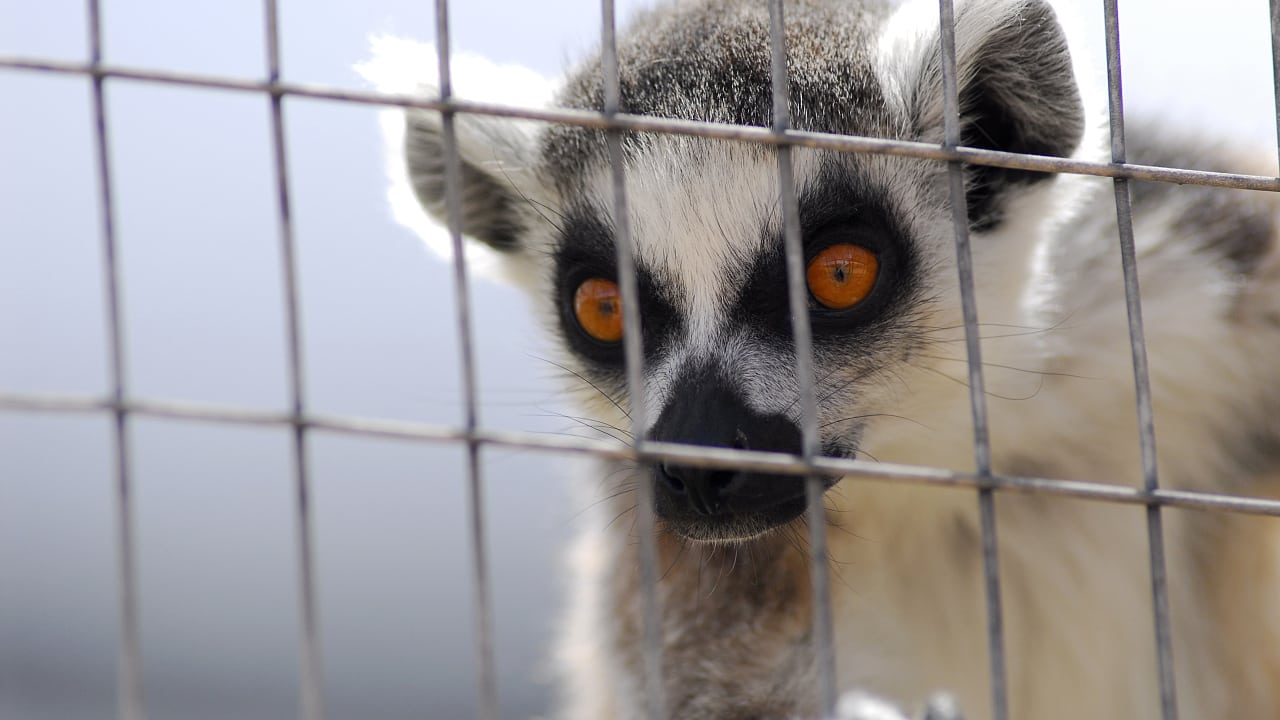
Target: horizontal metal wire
[
  {"x": 640, "y": 123},
  {"x": 701, "y": 456}
]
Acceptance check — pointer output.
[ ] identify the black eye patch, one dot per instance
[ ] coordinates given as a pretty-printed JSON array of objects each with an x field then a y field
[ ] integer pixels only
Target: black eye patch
[
  {"x": 835, "y": 208},
  {"x": 586, "y": 251}
]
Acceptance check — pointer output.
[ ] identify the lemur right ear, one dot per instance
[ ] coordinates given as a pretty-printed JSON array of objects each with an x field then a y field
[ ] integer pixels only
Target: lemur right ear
[
  {"x": 497, "y": 159},
  {"x": 1017, "y": 87}
]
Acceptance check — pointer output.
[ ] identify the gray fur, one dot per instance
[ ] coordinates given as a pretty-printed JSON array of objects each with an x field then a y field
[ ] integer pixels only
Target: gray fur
[
  {"x": 495, "y": 158},
  {"x": 1016, "y": 94},
  {"x": 487, "y": 207},
  {"x": 1232, "y": 227},
  {"x": 710, "y": 61}
]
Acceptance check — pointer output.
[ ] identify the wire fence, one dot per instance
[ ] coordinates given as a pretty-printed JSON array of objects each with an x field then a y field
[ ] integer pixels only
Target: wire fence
[{"x": 124, "y": 407}]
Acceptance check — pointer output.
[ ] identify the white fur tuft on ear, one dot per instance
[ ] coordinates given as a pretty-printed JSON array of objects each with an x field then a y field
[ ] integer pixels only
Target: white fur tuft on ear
[{"x": 489, "y": 147}]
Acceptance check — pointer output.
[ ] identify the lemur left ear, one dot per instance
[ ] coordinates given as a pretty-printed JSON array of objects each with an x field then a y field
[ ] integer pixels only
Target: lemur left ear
[
  {"x": 497, "y": 157},
  {"x": 1017, "y": 93}
]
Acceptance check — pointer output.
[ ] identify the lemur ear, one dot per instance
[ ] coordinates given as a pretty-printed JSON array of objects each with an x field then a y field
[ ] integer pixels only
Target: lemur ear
[
  {"x": 1017, "y": 91},
  {"x": 496, "y": 157}
]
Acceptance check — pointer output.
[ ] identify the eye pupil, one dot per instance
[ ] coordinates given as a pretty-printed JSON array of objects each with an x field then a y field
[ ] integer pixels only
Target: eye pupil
[{"x": 841, "y": 276}]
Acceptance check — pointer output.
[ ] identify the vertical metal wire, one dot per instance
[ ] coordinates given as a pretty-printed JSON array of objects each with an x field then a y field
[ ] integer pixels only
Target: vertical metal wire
[
  {"x": 819, "y": 572},
  {"x": 973, "y": 347},
  {"x": 1275, "y": 70},
  {"x": 129, "y": 694},
  {"x": 488, "y": 687},
  {"x": 655, "y": 693},
  {"x": 1141, "y": 376},
  {"x": 311, "y": 675}
]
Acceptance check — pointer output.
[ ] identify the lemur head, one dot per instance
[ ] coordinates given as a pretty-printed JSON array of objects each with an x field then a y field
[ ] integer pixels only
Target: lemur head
[{"x": 706, "y": 223}]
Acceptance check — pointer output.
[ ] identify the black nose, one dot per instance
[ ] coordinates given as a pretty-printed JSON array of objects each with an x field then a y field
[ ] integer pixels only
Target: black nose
[{"x": 706, "y": 409}]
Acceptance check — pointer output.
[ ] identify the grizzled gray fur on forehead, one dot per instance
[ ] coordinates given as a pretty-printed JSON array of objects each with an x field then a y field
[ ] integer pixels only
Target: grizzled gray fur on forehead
[
  {"x": 712, "y": 62},
  {"x": 851, "y": 70}
]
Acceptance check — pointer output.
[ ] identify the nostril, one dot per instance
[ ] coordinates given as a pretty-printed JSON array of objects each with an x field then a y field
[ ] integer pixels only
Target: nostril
[
  {"x": 704, "y": 490},
  {"x": 670, "y": 476}
]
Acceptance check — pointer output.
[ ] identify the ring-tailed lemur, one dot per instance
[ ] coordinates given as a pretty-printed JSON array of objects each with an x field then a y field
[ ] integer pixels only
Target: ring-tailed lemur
[{"x": 888, "y": 353}]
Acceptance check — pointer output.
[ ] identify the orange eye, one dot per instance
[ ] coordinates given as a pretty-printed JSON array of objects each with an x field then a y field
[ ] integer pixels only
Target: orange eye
[
  {"x": 841, "y": 276},
  {"x": 598, "y": 306}
]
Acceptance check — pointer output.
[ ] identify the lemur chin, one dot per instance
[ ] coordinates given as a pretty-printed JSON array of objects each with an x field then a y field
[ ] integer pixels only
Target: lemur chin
[{"x": 889, "y": 360}]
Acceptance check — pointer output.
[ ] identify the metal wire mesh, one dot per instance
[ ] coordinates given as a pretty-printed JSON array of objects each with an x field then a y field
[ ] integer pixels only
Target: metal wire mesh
[
  {"x": 1141, "y": 374},
  {"x": 123, "y": 406},
  {"x": 973, "y": 351},
  {"x": 798, "y": 306},
  {"x": 633, "y": 353}
]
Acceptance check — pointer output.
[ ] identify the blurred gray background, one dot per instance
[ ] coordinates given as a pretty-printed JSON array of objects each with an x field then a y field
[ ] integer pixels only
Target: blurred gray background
[{"x": 204, "y": 322}]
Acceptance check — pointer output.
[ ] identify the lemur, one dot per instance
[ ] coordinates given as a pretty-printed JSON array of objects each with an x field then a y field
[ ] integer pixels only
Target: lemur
[{"x": 888, "y": 354}]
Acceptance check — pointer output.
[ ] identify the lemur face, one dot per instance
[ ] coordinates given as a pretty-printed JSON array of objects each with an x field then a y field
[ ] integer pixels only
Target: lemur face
[
  {"x": 719, "y": 356},
  {"x": 706, "y": 224}
]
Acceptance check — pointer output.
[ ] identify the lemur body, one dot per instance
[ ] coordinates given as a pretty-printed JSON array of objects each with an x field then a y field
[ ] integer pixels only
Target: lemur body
[{"x": 719, "y": 370}]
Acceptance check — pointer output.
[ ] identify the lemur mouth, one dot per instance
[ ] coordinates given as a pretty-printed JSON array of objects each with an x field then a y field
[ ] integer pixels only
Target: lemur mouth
[
  {"x": 732, "y": 527},
  {"x": 722, "y": 506}
]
